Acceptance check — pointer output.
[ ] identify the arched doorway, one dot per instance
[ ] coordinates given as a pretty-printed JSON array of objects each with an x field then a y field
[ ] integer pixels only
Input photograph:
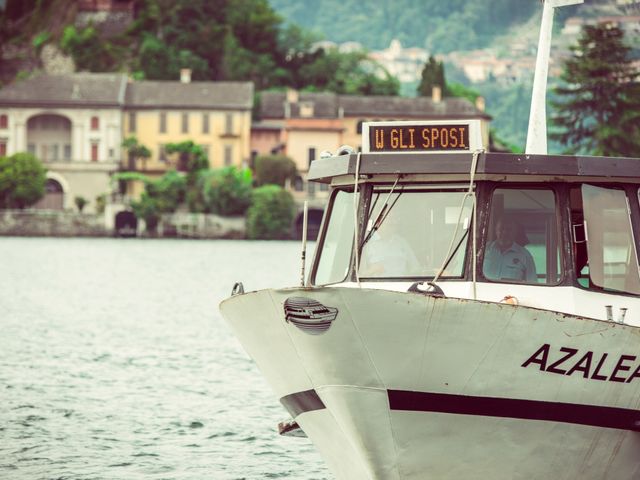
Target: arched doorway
[
  {"x": 49, "y": 137},
  {"x": 314, "y": 220},
  {"x": 126, "y": 224},
  {"x": 53, "y": 197}
]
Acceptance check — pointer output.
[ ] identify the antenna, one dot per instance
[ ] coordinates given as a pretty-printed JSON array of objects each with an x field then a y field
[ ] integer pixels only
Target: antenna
[
  {"x": 537, "y": 132},
  {"x": 303, "y": 256}
]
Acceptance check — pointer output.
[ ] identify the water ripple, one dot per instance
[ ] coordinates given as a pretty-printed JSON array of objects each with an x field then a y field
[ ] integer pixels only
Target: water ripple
[{"x": 116, "y": 363}]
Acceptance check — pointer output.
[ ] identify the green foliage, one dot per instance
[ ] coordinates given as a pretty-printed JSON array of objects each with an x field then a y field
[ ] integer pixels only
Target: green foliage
[
  {"x": 598, "y": 110},
  {"x": 80, "y": 202},
  {"x": 226, "y": 191},
  {"x": 135, "y": 151},
  {"x": 192, "y": 157},
  {"x": 131, "y": 176},
  {"x": 22, "y": 75},
  {"x": 439, "y": 26},
  {"x": 242, "y": 40},
  {"x": 432, "y": 76},
  {"x": 271, "y": 213},
  {"x": 496, "y": 143},
  {"x": 159, "y": 61},
  {"x": 462, "y": 91},
  {"x": 344, "y": 73},
  {"x": 509, "y": 107},
  {"x": 40, "y": 39},
  {"x": 160, "y": 196},
  {"x": 147, "y": 209},
  {"x": 274, "y": 169},
  {"x": 87, "y": 49},
  {"x": 22, "y": 180},
  {"x": 168, "y": 191}
]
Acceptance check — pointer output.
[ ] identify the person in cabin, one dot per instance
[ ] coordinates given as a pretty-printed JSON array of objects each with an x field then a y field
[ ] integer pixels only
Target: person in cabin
[
  {"x": 388, "y": 253},
  {"x": 505, "y": 258}
]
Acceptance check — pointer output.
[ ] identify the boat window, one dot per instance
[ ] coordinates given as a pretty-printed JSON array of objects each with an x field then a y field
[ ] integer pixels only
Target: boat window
[
  {"x": 523, "y": 237},
  {"x": 415, "y": 230},
  {"x": 611, "y": 262},
  {"x": 337, "y": 245}
]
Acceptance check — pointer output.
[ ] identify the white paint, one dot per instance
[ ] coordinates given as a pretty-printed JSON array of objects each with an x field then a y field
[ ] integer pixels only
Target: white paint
[
  {"x": 537, "y": 132},
  {"x": 384, "y": 340}
]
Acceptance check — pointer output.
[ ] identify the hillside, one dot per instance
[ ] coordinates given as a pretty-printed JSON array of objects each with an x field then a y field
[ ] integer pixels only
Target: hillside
[
  {"x": 432, "y": 24},
  {"x": 501, "y": 31}
]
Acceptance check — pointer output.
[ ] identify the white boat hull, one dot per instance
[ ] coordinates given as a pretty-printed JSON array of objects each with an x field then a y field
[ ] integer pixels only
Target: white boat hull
[{"x": 406, "y": 386}]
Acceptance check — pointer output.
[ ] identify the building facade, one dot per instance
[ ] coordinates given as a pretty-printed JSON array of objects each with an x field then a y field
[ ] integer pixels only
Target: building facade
[
  {"x": 214, "y": 115},
  {"x": 76, "y": 124},
  {"x": 73, "y": 124}
]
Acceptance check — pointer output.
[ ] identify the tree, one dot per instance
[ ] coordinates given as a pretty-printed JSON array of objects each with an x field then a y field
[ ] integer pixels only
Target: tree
[
  {"x": 191, "y": 157},
  {"x": 160, "y": 196},
  {"x": 136, "y": 151},
  {"x": 432, "y": 76},
  {"x": 274, "y": 169},
  {"x": 226, "y": 191},
  {"x": 345, "y": 73},
  {"x": 22, "y": 180},
  {"x": 598, "y": 110},
  {"x": 271, "y": 213}
]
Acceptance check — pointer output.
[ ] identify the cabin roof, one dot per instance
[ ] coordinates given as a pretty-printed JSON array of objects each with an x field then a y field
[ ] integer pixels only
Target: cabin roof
[{"x": 324, "y": 169}]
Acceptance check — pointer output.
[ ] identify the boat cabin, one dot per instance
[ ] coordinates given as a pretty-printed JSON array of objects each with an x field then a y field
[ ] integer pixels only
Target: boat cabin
[{"x": 427, "y": 204}]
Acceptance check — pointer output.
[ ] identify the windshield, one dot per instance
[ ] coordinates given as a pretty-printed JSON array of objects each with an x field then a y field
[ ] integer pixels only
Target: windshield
[
  {"x": 612, "y": 259},
  {"x": 337, "y": 245},
  {"x": 414, "y": 234}
]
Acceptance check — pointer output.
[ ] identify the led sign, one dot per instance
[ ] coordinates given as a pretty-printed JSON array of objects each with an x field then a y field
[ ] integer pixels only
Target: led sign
[{"x": 418, "y": 138}]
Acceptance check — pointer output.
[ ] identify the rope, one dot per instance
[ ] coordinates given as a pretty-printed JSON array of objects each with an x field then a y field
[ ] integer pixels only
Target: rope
[
  {"x": 469, "y": 193},
  {"x": 356, "y": 241}
]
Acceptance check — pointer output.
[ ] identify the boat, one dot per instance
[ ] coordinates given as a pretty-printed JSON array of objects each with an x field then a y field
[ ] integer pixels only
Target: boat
[{"x": 467, "y": 314}]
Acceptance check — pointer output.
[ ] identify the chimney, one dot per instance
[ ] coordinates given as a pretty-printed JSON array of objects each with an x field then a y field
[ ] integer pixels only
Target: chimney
[
  {"x": 185, "y": 75},
  {"x": 480, "y": 103},
  {"x": 436, "y": 94},
  {"x": 292, "y": 95}
]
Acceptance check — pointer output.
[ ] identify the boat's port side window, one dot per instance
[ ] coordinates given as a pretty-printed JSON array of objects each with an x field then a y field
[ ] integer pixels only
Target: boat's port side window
[
  {"x": 415, "y": 233},
  {"x": 337, "y": 244},
  {"x": 601, "y": 223},
  {"x": 523, "y": 237}
]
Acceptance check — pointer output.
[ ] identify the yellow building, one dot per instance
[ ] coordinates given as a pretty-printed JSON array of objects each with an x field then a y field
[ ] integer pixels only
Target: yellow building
[{"x": 214, "y": 115}]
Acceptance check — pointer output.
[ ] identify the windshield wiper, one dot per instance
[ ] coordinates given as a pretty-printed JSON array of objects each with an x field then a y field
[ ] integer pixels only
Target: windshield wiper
[{"x": 383, "y": 214}]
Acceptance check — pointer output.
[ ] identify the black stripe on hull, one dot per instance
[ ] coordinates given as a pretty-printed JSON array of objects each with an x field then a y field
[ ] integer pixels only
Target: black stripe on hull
[
  {"x": 402, "y": 400},
  {"x": 591, "y": 415}
]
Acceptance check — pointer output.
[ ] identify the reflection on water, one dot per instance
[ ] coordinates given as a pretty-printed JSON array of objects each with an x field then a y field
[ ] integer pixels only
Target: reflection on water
[{"x": 116, "y": 363}]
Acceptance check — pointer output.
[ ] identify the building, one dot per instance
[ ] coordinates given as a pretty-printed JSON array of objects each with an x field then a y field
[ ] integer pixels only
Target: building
[
  {"x": 214, "y": 115},
  {"x": 315, "y": 122},
  {"x": 73, "y": 123},
  {"x": 310, "y": 123},
  {"x": 76, "y": 125},
  {"x": 405, "y": 64}
]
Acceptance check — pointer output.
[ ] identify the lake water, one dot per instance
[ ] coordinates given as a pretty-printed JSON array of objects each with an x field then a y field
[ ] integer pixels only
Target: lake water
[{"x": 115, "y": 362}]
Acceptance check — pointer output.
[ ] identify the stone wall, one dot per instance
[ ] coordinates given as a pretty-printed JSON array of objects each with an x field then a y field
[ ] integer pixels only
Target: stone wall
[
  {"x": 47, "y": 223},
  {"x": 199, "y": 225},
  {"x": 44, "y": 223}
]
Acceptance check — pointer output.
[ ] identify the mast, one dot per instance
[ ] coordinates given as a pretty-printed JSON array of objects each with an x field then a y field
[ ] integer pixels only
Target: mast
[{"x": 537, "y": 132}]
